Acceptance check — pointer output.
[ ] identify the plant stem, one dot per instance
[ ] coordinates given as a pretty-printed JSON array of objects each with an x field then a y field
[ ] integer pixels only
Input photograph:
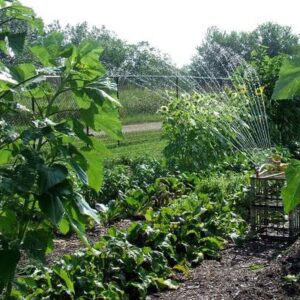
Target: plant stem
[{"x": 8, "y": 290}]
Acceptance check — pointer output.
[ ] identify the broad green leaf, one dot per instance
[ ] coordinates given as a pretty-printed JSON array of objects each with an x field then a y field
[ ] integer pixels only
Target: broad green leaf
[
  {"x": 53, "y": 43},
  {"x": 108, "y": 120},
  {"x": 133, "y": 202},
  {"x": 79, "y": 172},
  {"x": 82, "y": 99},
  {"x": 71, "y": 55},
  {"x": 103, "y": 118},
  {"x": 149, "y": 214},
  {"x": 5, "y": 155},
  {"x": 66, "y": 278},
  {"x": 38, "y": 243},
  {"x": 52, "y": 207},
  {"x": 99, "y": 96},
  {"x": 291, "y": 193},
  {"x": 79, "y": 130},
  {"x": 85, "y": 209},
  {"x": 88, "y": 47},
  {"x": 64, "y": 226},
  {"x": 16, "y": 41},
  {"x": 9, "y": 259},
  {"x": 94, "y": 168},
  {"x": 78, "y": 224},
  {"x": 23, "y": 72},
  {"x": 88, "y": 115},
  {"x": 288, "y": 84},
  {"x": 8, "y": 223},
  {"x": 50, "y": 176},
  {"x": 100, "y": 147},
  {"x": 43, "y": 55}
]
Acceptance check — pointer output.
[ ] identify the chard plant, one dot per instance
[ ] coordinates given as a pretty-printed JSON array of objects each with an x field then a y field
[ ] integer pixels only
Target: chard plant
[{"x": 47, "y": 156}]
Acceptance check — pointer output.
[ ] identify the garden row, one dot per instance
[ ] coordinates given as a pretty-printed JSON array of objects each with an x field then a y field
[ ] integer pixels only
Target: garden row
[{"x": 183, "y": 220}]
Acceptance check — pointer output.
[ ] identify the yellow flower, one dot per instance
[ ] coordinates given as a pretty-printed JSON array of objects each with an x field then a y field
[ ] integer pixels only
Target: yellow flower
[
  {"x": 260, "y": 91},
  {"x": 164, "y": 109},
  {"x": 242, "y": 89},
  {"x": 227, "y": 90}
]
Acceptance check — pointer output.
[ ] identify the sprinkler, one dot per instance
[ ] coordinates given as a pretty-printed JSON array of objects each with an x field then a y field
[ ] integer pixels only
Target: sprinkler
[{"x": 274, "y": 167}]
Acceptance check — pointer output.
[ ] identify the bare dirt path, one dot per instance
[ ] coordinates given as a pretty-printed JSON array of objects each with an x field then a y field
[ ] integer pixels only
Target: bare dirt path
[
  {"x": 250, "y": 272},
  {"x": 139, "y": 127},
  {"x": 151, "y": 126}
]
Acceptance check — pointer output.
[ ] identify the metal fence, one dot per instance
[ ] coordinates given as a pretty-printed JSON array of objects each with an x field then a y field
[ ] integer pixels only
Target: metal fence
[{"x": 141, "y": 96}]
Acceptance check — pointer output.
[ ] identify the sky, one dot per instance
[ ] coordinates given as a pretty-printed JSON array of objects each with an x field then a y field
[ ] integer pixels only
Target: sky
[{"x": 176, "y": 27}]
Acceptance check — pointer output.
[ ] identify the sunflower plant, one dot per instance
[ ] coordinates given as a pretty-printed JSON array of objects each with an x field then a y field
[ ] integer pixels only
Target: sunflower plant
[{"x": 47, "y": 157}]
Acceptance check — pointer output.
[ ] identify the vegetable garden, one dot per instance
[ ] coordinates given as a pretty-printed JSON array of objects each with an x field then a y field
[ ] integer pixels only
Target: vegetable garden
[{"x": 181, "y": 204}]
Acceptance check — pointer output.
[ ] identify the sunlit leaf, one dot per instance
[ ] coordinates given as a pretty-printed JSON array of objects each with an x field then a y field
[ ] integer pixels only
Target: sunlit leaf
[
  {"x": 288, "y": 84},
  {"x": 85, "y": 209},
  {"x": 23, "y": 72},
  {"x": 94, "y": 168},
  {"x": 291, "y": 193},
  {"x": 66, "y": 278}
]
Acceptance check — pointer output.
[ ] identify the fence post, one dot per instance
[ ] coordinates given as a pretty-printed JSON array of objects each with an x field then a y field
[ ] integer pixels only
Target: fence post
[
  {"x": 118, "y": 97},
  {"x": 32, "y": 104},
  {"x": 177, "y": 87},
  {"x": 117, "y": 83}
]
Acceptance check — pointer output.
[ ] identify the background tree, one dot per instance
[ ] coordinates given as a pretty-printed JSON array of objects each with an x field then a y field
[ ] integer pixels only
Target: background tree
[
  {"x": 264, "y": 48},
  {"x": 118, "y": 56},
  {"x": 276, "y": 39}
]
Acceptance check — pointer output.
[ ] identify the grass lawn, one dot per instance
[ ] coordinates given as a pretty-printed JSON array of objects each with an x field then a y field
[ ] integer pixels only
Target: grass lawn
[
  {"x": 137, "y": 144},
  {"x": 140, "y": 105}
]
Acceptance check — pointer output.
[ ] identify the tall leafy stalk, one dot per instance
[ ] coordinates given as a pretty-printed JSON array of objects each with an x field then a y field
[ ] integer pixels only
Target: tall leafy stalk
[{"x": 45, "y": 154}]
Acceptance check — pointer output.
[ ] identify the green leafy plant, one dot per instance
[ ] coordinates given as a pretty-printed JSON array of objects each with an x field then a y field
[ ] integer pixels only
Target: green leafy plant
[
  {"x": 198, "y": 131},
  {"x": 118, "y": 270},
  {"x": 44, "y": 164},
  {"x": 145, "y": 258},
  {"x": 288, "y": 84},
  {"x": 288, "y": 87}
]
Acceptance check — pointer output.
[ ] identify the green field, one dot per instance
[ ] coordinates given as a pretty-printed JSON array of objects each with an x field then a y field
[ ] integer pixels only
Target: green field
[
  {"x": 140, "y": 105},
  {"x": 137, "y": 144}
]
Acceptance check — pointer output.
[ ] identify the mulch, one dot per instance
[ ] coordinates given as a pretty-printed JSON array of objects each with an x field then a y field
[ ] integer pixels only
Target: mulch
[{"x": 253, "y": 271}]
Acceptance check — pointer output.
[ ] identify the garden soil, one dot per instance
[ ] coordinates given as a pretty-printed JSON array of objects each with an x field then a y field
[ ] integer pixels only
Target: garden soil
[{"x": 254, "y": 271}]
